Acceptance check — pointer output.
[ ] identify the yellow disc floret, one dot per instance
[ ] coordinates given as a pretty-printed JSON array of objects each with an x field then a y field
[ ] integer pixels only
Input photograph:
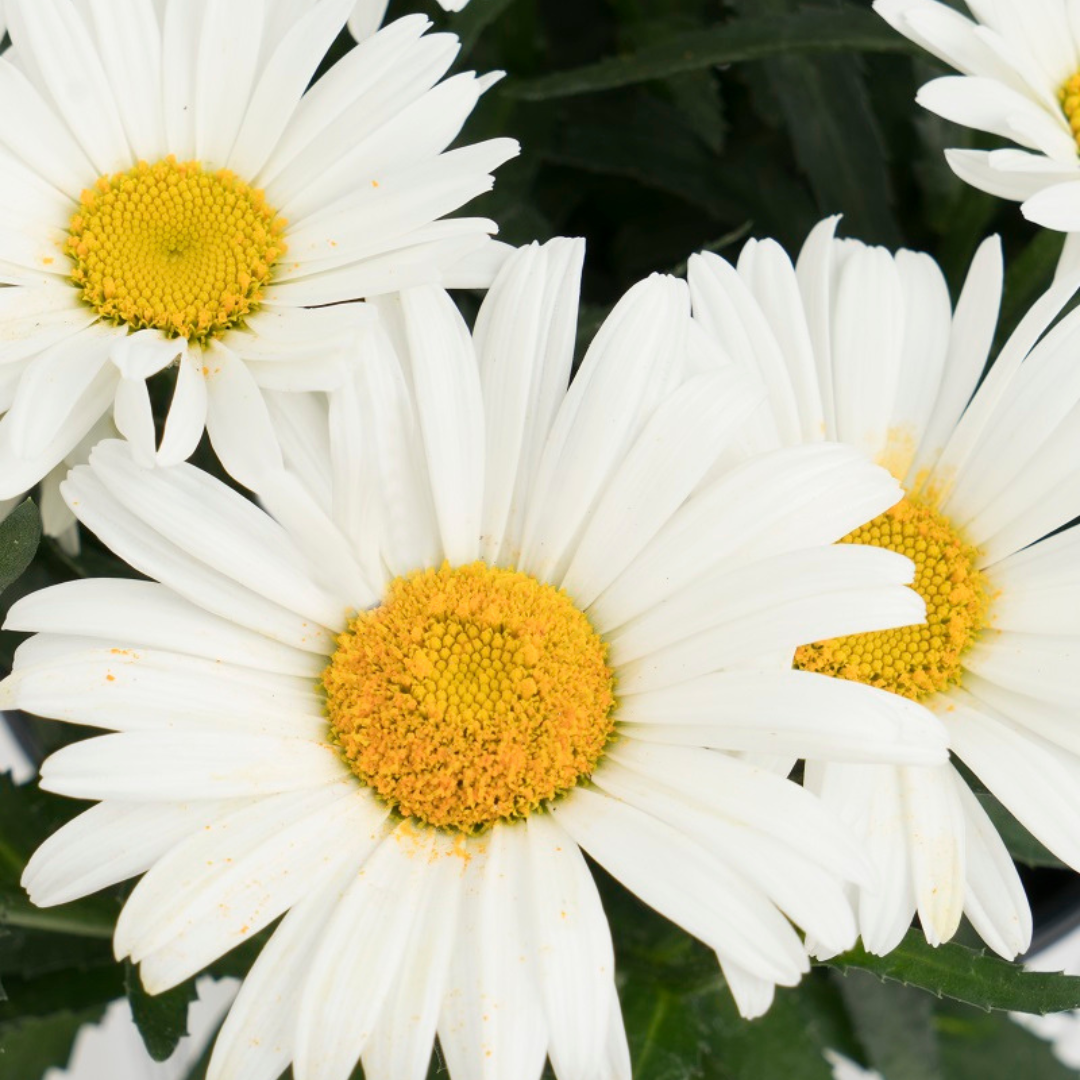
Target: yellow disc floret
[
  {"x": 1069, "y": 96},
  {"x": 470, "y": 696},
  {"x": 919, "y": 660},
  {"x": 174, "y": 247}
]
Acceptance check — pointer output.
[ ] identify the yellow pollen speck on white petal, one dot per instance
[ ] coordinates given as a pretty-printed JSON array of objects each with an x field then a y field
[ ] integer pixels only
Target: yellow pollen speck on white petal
[
  {"x": 174, "y": 247},
  {"x": 924, "y": 659},
  {"x": 470, "y": 696},
  {"x": 1069, "y": 96}
]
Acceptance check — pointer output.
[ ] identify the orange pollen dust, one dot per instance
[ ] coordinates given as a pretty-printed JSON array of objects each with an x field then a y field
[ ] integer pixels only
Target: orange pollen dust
[
  {"x": 173, "y": 247},
  {"x": 470, "y": 696},
  {"x": 920, "y": 660},
  {"x": 1069, "y": 96}
]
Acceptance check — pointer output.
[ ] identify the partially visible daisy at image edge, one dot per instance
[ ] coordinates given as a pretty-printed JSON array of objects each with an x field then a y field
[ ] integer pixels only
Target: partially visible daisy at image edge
[
  {"x": 530, "y": 624},
  {"x": 174, "y": 196},
  {"x": 863, "y": 346},
  {"x": 1020, "y": 79}
]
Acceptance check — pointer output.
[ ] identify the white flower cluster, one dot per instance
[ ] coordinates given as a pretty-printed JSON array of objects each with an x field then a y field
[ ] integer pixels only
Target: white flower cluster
[{"x": 484, "y": 618}]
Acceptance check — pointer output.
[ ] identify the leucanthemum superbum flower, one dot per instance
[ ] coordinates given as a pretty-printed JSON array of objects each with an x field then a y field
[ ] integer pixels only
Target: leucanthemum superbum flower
[
  {"x": 174, "y": 196},
  {"x": 1020, "y": 65},
  {"x": 521, "y": 622},
  {"x": 863, "y": 346}
]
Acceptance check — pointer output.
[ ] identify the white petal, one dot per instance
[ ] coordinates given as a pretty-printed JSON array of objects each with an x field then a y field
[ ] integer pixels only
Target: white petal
[
  {"x": 110, "y": 843},
  {"x": 762, "y": 609},
  {"x": 450, "y": 407},
  {"x": 794, "y": 880},
  {"x": 678, "y": 445},
  {"x": 281, "y": 84},
  {"x": 773, "y": 503},
  {"x": 1038, "y": 782},
  {"x": 257, "y": 1039},
  {"x": 171, "y": 766},
  {"x": 237, "y": 421},
  {"x": 989, "y": 106},
  {"x": 31, "y": 130},
  {"x": 684, "y": 883},
  {"x": 353, "y": 970},
  {"x": 524, "y": 337},
  {"x": 186, "y": 419},
  {"x": 225, "y": 71},
  {"x": 786, "y": 712},
  {"x": 492, "y": 1024},
  {"x": 254, "y": 844},
  {"x": 52, "y": 386},
  {"x": 63, "y": 51},
  {"x": 575, "y": 964},
  {"x": 148, "y": 551},
  {"x": 972, "y": 333},
  {"x": 259, "y": 884},
  {"x": 766, "y": 268},
  {"x": 147, "y": 690},
  {"x": 367, "y": 17},
  {"x": 935, "y": 826},
  {"x": 995, "y": 901},
  {"x": 144, "y": 613},
  {"x": 129, "y": 39},
  {"x": 1041, "y": 665},
  {"x": 1008, "y": 173},
  {"x": 400, "y": 1046},
  {"x": 868, "y": 799},
  {"x": 633, "y": 363}
]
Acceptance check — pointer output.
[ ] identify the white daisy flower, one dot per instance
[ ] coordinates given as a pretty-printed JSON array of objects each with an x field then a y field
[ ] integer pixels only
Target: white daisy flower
[
  {"x": 863, "y": 346},
  {"x": 173, "y": 196},
  {"x": 367, "y": 15},
  {"x": 1020, "y": 65},
  {"x": 527, "y": 619}
]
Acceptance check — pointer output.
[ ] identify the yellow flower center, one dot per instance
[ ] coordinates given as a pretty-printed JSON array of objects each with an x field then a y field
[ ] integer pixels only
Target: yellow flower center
[
  {"x": 915, "y": 661},
  {"x": 1069, "y": 96},
  {"x": 173, "y": 247},
  {"x": 470, "y": 696}
]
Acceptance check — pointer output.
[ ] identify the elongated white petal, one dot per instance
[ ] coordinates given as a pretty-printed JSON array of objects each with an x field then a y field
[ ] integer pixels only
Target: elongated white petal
[
  {"x": 995, "y": 901},
  {"x": 110, "y": 843},
  {"x": 683, "y": 882},
  {"x": 575, "y": 963},
  {"x": 492, "y": 1024},
  {"x": 353, "y": 970},
  {"x": 792, "y": 712},
  {"x": 171, "y": 766},
  {"x": 257, "y": 1038}
]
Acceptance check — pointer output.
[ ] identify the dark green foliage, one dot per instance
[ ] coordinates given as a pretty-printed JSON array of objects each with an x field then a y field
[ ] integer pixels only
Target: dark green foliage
[
  {"x": 966, "y": 975},
  {"x": 20, "y": 534}
]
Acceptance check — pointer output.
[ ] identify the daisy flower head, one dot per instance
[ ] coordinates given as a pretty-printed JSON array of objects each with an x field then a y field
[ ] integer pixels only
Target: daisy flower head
[
  {"x": 175, "y": 196},
  {"x": 1020, "y": 65},
  {"x": 520, "y": 622},
  {"x": 863, "y": 346}
]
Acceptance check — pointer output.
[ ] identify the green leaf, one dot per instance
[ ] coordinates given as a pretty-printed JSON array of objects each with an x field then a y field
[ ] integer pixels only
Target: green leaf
[
  {"x": 841, "y": 151},
  {"x": 160, "y": 1018},
  {"x": 20, "y": 534},
  {"x": 474, "y": 20},
  {"x": 736, "y": 41},
  {"x": 27, "y": 816},
  {"x": 963, "y": 974},
  {"x": 60, "y": 991},
  {"x": 977, "y": 1044},
  {"x": 1023, "y": 847},
  {"x": 895, "y": 1024},
  {"x": 29, "y": 1049}
]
